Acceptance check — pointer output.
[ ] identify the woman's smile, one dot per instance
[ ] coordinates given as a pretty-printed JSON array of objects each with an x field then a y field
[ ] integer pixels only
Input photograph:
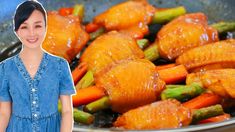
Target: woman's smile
[{"x": 32, "y": 40}]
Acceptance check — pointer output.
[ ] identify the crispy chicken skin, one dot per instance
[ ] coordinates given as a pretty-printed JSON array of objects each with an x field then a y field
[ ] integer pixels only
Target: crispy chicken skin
[
  {"x": 158, "y": 115},
  {"x": 212, "y": 56},
  {"x": 130, "y": 83},
  {"x": 131, "y": 17},
  {"x": 220, "y": 81},
  {"x": 183, "y": 33},
  {"x": 110, "y": 48},
  {"x": 65, "y": 36}
]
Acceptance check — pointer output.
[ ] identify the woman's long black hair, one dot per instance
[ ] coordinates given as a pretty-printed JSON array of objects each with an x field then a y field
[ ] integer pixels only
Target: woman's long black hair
[{"x": 24, "y": 10}]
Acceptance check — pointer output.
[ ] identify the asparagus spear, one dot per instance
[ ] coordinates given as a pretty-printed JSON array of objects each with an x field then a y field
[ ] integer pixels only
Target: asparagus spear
[
  {"x": 78, "y": 115},
  {"x": 224, "y": 26},
  {"x": 82, "y": 117},
  {"x": 207, "y": 112},
  {"x": 173, "y": 86},
  {"x": 97, "y": 33},
  {"x": 97, "y": 105},
  {"x": 151, "y": 53},
  {"x": 143, "y": 43},
  {"x": 78, "y": 10},
  {"x": 167, "y": 15},
  {"x": 182, "y": 93},
  {"x": 86, "y": 81}
]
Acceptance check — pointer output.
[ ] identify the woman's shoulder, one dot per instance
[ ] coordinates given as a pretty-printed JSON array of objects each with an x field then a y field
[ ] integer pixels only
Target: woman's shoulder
[{"x": 7, "y": 62}]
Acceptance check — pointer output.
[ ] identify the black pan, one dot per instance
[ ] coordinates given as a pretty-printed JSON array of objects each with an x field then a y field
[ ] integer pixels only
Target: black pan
[{"x": 216, "y": 10}]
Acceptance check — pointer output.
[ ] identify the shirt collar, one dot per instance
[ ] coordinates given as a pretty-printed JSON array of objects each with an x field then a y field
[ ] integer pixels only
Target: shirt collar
[{"x": 22, "y": 69}]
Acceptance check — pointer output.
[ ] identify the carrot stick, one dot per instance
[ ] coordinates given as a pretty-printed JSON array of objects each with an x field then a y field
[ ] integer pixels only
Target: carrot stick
[
  {"x": 173, "y": 74},
  {"x": 78, "y": 72},
  {"x": 218, "y": 118},
  {"x": 161, "y": 67},
  {"x": 91, "y": 27},
  {"x": 203, "y": 100},
  {"x": 87, "y": 95},
  {"x": 65, "y": 11}
]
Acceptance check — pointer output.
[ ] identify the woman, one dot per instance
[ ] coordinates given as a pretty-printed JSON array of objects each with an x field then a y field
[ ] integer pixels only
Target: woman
[{"x": 32, "y": 82}]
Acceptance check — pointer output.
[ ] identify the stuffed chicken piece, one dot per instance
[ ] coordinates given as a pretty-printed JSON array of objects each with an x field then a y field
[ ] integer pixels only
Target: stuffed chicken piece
[
  {"x": 130, "y": 83},
  {"x": 110, "y": 48},
  {"x": 65, "y": 36},
  {"x": 183, "y": 33},
  {"x": 212, "y": 56},
  {"x": 158, "y": 115},
  {"x": 130, "y": 17},
  {"x": 220, "y": 81}
]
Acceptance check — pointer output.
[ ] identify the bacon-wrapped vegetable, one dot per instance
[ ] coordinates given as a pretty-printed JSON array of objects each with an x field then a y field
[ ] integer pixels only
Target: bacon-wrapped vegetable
[{"x": 164, "y": 114}]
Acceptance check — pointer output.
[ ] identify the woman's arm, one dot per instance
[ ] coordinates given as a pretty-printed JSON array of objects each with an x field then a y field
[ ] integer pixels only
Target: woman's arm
[
  {"x": 67, "y": 113},
  {"x": 5, "y": 114}
]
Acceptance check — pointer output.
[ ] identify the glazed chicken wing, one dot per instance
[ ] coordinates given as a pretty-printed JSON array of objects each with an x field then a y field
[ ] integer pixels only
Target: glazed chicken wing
[
  {"x": 184, "y": 33},
  {"x": 130, "y": 15},
  {"x": 130, "y": 83},
  {"x": 110, "y": 48},
  {"x": 158, "y": 115},
  {"x": 65, "y": 36},
  {"x": 219, "y": 81},
  {"x": 212, "y": 56}
]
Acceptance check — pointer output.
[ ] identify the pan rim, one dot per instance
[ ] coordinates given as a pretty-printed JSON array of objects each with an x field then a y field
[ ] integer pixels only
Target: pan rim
[{"x": 183, "y": 129}]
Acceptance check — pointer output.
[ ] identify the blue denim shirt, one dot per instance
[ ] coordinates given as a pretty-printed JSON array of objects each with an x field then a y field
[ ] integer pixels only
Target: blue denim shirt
[{"x": 38, "y": 97}]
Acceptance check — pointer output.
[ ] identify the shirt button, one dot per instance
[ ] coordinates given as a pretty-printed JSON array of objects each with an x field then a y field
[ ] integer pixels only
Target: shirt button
[
  {"x": 33, "y": 90},
  {"x": 34, "y": 102},
  {"x": 35, "y": 115}
]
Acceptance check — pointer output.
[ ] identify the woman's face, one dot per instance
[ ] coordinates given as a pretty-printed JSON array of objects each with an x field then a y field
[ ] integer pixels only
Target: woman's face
[{"x": 32, "y": 31}]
